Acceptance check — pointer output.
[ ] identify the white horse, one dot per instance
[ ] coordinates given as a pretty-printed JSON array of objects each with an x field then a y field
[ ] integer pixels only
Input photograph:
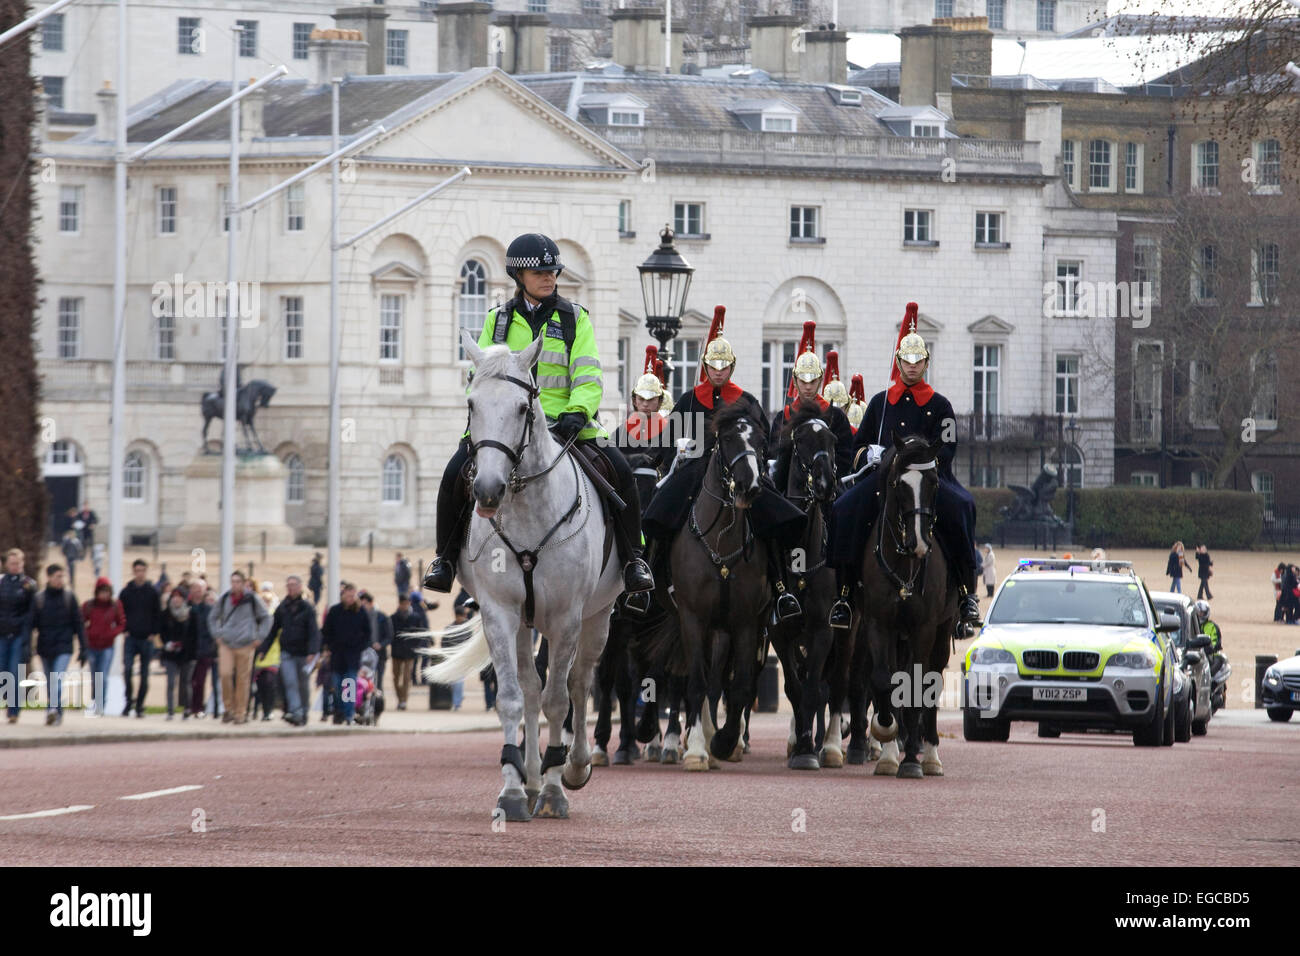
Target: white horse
[{"x": 534, "y": 509}]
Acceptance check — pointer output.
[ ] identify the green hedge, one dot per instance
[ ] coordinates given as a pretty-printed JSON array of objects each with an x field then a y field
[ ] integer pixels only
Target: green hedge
[{"x": 1126, "y": 516}]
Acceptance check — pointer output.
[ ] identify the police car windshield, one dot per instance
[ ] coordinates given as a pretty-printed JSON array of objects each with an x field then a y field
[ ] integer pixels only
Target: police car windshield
[{"x": 1025, "y": 600}]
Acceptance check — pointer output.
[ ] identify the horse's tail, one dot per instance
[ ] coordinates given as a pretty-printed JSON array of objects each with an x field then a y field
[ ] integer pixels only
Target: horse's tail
[
  {"x": 470, "y": 655},
  {"x": 661, "y": 646}
]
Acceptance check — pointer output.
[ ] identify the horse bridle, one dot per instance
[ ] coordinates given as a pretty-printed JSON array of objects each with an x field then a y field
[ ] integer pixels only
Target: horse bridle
[
  {"x": 905, "y": 587},
  {"x": 517, "y": 482},
  {"x": 806, "y": 465},
  {"x": 721, "y": 561}
]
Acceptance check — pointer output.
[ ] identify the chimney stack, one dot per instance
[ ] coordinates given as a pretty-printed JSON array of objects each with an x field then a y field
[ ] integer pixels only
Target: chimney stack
[
  {"x": 337, "y": 53},
  {"x": 523, "y": 42},
  {"x": 639, "y": 40},
  {"x": 462, "y": 36},
  {"x": 772, "y": 45},
  {"x": 1043, "y": 126},
  {"x": 825, "y": 57},
  {"x": 251, "y": 111},
  {"x": 107, "y": 118},
  {"x": 925, "y": 72},
  {"x": 972, "y": 44},
  {"x": 369, "y": 22}
]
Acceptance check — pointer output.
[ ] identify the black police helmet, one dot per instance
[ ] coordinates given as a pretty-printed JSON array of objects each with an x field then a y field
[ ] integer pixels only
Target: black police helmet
[{"x": 532, "y": 250}]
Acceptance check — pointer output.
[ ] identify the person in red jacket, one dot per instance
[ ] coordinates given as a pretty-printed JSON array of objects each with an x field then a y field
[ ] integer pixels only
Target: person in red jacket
[{"x": 105, "y": 619}]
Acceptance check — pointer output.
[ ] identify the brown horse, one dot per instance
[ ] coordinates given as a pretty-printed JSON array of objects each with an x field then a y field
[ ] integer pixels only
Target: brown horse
[{"x": 909, "y": 610}]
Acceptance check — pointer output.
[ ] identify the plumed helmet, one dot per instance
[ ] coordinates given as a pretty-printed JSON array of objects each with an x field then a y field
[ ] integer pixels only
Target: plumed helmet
[
  {"x": 807, "y": 366},
  {"x": 911, "y": 347},
  {"x": 857, "y": 411},
  {"x": 648, "y": 386},
  {"x": 836, "y": 393},
  {"x": 717, "y": 350},
  {"x": 532, "y": 250}
]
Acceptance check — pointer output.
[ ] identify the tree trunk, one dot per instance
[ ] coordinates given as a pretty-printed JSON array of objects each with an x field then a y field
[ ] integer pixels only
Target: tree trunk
[{"x": 23, "y": 500}]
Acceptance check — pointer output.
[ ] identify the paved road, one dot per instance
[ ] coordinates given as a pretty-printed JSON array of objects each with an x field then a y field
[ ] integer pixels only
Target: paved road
[{"x": 393, "y": 799}]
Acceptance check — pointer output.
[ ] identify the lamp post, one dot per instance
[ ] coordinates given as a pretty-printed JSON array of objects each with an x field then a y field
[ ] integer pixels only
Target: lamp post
[{"x": 665, "y": 281}]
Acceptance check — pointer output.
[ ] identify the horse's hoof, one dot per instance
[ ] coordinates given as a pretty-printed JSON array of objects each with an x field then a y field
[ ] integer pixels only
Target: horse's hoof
[
  {"x": 532, "y": 797},
  {"x": 570, "y": 784},
  {"x": 622, "y": 758},
  {"x": 856, "y": 758},
  {"x": 515, "y": 807},
  {"x": 874, "y": 750},
  {"x": 552, "y": 804},
  {"x": 714, "y": 763},
  {"x": 599, "y": 758},
  {"x": 670, "y": 755},
  {"x": 886, "y": 767},
  {"x": 910, "y": 770},
  {"x": 832, "y": 759},
  {"x": 932, "y": 768},
  {"x": 653, "y": 752},
  {"x": 745, "y": 746},
  {"x": 804, "y": 762},
  {"x": 697, "y": 762},
  {"x": 737, "y": 753}
]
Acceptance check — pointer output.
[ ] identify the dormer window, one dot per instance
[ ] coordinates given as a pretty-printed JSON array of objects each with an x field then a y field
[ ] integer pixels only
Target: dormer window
[
  {"x": 626, "y": 118},
  {"x": 767, "y": 116},
  {"x": 931, "y": 130},
  {"x": 613, "y": 109},
  {"x": 915, "y": 121}
]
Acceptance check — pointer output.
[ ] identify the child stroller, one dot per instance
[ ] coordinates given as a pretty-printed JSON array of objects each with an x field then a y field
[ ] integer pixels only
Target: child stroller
[{"x": 370, "y": 699}]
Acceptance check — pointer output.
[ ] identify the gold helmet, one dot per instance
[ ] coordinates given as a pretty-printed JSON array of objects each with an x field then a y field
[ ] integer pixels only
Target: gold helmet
[
  {"x": 836, "y": 393},
  {"x": 856, "y": 412},
  {"x": 911, "y": 347},
  {"x": 719, "y": 354},
  {"x": 648, "y": 386},
  {"x": 808, "y": 367}
]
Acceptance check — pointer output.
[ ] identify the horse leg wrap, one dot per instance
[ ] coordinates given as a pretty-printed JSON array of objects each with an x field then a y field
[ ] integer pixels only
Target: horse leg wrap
[
  {"x": 510, "y": 755},
  {"x": 555, "y": 756}
]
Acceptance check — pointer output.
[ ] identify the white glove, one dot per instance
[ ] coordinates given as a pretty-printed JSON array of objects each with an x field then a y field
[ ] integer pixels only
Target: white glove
[{"x": 873, "y": 454}]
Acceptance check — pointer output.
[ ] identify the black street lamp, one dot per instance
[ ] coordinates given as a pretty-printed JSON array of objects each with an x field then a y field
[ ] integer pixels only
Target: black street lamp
[{"x": 665, "y": 281}]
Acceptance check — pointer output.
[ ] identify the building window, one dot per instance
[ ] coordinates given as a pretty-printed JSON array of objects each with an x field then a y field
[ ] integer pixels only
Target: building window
[
  {"x": 686, "y": 364},
  {"x": 1200, "y": 478},
  {"x": 943, "y": 8},
  {"x": 70, "y": 328},
  {"x": 561, "y": 53},
  {"x": 390, "y": 327},
  {"x": 988, "y": 228},
  {"x": 295, "y": 208},
  {"x": 1067, "y": 385},
  {"x": 624, "y": 387},
  {"x": 247, "y": 37},
  {"x": 688, "y": 219},
  {"x": 1143, "y": 479},
  {"x": 1047, "y": 16},
  {"x": 1099, "y": 165},
  {"x": 803, "y": 222},
  {"x": 295, "y": 483},
  {"x": 189, "y": 40},
  {"x": 223, "y": 329},
  {"x": 1202, "y": 393},
  {"x": 625, "y": 117},
  {"x": 1148, "y": 396},
  {"x": 62, "y": 452},
  {"x": 52, "y": 32},
  {"x": 302, "y": 39},
  {"x": 1268, "y": 166},
  {"x": 778, "y": 364},
  {"x": 1206, "y": 274},
  {"x": 625, "y": 217},
  {"x": 925, "y": 130},
  {"x": 165, "y": 338},
  {"x": 293, "y": 323},
  {"x": 1133, "y": 167},
  {"x": 593, "y": 6},
  {"x": 1067, "y": 163},
  {"x": 1262, "y": 483},
  {"x": 536, "y": 6},
  {"x": 1146, "y": 270},
  {"x": 70, "y": 210},
  {"x": 1263, "y": 376},
  {"x": 778, "y": 124},
  {"x": 986, "y": 365},
  {"x": 996, "y": 11},
  {"x": 986, "y": 476},
  {"x": 223, "y": 201},
  {"x": 395, "y": 47},
  {"x": 471, "y": 302},
  {"x": 394, "y": 480},
  {"x": 1265, "y": 274},
  {"x": 1068, "y": 274},
  {"x": 133, "y": 477},
  {"x": 1205, "y": 171},
  {"x": 916, "y": 225},
  {"x": 167, "y": 210},
  {"x": 53, "y": 87}
]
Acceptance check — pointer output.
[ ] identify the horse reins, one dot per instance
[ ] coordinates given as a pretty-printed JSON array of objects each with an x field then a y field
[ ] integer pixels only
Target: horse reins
[
  {"x": 810, "y": 501},
  {"x": 722, "y": 562},
  {"x": 905, "y": 588}
]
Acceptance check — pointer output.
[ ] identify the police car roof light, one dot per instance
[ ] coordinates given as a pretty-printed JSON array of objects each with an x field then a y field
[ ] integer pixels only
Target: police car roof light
[{"x": 1073, "y": 564}]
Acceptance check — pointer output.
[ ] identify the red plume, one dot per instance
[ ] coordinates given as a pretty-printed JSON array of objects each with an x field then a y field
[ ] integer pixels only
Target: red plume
[
  {"x": 907, "y": 325},
  {"x": 807, "y": 343},
  {"x": 659, "y": 371},
  {"x": 856, "y": 390},
  {"x": 651, "y": 357},
  {"x": 715, "y": 329},
  {"x": 832, "y": 366}
]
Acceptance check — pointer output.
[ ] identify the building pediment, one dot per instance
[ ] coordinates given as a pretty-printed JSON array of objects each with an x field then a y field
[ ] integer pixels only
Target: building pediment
[
  {"x": 395, "y": 272},
  {"x": 990, "y": 325}
]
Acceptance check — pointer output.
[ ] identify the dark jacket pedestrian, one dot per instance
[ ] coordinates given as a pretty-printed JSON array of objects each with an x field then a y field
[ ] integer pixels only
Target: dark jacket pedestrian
[
  {"x": 295, "y": 621},
  {"x": 205, "y": 645},
  {"x": 315, "y": 579},
  {"x": 56, "y": 619},
  {"x": 143, "y": 608},
  {"x": 1203, "y": 565},
  {"x": 88, "y": 520},
  {"x": 180, "y": 636},
  {"x": 16, "y": 594},
  {"x": 403, "y": 623},
  {"x": 346, "y": 633},
  {"x": 402, "y": 575}
]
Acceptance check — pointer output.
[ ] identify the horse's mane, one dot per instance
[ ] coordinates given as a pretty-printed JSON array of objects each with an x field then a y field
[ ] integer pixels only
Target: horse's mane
[
  {"x": 729, "y": 415},
  {"x": 495, "y": 361},
  {"x": 804, "y": 411}
]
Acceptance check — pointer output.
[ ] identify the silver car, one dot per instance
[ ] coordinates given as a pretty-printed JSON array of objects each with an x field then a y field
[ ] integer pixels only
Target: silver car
[{"x": 1193, "y": 715}]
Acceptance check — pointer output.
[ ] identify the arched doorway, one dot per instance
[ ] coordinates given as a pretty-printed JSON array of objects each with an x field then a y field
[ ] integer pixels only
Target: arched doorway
[{"x": 63, "y": 469}]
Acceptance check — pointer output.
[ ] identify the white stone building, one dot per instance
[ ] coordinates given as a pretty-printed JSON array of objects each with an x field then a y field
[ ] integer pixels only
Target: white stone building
[{"x": 793, "y": 201}]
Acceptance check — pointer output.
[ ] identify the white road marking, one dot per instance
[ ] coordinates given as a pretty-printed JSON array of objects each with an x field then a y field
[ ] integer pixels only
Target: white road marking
[
  {"x": 48, "y": 813},
  {"x": 162, "y": 793}
]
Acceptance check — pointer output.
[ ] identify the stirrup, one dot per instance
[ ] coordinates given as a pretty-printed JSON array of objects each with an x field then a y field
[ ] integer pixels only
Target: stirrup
[
  {"x": 787, "y": 605},
  {"x": 841, "y": 614},
  {"x": 637, "y": 602}
]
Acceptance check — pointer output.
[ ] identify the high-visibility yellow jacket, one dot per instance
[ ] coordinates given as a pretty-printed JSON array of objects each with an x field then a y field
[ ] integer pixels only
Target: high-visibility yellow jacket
[{"x": 575, "y": 385}]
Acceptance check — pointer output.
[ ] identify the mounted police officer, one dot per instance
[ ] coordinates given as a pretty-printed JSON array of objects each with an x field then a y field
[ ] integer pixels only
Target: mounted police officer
[
  {"x": 571, "y": 385},
  {"x": 774, "y": 518},
  {"x": 908, "y": 406},
  {"x": 806, "y": 384}
]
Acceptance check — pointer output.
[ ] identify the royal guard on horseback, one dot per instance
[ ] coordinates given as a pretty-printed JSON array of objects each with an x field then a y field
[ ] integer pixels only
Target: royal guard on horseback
[
  {"x": 857, "y": 409},
  {"x": 773, "y": 518},
  {"x": 645, "y": 438},
  {"x": 568, "y": 375},
  {"x": 908, "y": 406},
  {"x": 806, "y": 385}
]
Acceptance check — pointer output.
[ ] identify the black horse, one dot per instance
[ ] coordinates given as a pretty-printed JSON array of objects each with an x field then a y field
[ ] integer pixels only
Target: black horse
[
  {"x": 909, "y": 610},
  {"x": 250, "y": 397},
  {"x": 804, "y": 646}
]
